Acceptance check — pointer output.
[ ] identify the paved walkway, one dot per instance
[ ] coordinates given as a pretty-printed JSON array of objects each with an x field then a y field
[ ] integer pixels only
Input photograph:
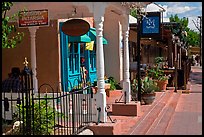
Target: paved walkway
[
  {"x": 187, "y": 118},
  {"x": 182, "y": 114}
]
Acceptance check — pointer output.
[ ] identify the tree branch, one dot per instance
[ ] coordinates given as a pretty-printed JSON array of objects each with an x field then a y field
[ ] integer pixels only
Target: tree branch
[{"x": 196, "y": 25}]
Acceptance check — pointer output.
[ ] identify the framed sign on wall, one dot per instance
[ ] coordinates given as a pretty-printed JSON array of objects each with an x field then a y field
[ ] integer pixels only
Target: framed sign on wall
[{"x": 33, "y": 18}]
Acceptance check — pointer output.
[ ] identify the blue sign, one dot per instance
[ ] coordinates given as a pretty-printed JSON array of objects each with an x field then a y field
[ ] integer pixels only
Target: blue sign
[{"x": 150, "y": 25}]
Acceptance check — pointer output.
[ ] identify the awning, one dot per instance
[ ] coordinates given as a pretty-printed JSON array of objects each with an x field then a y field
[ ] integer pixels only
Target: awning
[
  {"x": 80, "y": 39},
  {"x": 92, "y": 35}
]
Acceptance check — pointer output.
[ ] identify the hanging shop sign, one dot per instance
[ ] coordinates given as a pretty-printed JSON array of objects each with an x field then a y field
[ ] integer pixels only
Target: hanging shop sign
[
  {"x": 33, "y": 18},
  {"x": 151, "y": 25},
  {"x": 75, "y": 27}
]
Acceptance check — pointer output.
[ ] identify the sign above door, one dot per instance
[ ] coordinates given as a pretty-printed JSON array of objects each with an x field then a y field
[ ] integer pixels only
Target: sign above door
[{"x": 75, "y": 27}]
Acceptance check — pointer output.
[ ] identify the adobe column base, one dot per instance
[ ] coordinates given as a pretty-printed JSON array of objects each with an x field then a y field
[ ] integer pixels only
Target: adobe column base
[
  {"x": 128, "y": 109},
  {"x": 106, "y": 128}
]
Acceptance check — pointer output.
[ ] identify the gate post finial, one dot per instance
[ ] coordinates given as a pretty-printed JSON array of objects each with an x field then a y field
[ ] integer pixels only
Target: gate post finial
[{"x": 25, "y": 62}]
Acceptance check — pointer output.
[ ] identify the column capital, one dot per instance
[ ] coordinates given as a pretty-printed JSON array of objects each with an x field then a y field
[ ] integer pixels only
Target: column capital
[
  {"x": 99, "y": 26},
  {"x": 99, "y": 11},
  {"x": 33, "y": 30}
]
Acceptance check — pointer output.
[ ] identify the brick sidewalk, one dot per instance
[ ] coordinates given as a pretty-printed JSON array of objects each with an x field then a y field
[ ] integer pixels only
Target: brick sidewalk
[{"x": 187, "y": 119}]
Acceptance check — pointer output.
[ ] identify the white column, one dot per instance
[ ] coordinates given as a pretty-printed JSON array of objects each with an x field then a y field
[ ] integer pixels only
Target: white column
[
  {"x": 99, "y": 11},
  {"x": 126, "y": 75},
  {"x": 33, "y": 57}
]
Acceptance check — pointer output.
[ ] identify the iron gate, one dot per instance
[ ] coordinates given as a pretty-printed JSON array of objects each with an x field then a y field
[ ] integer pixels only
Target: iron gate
[{"x": 48, "y": 112}]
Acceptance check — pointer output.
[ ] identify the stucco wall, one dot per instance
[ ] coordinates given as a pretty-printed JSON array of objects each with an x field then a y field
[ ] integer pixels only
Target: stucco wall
[
  {"x": 111, "y": 51},
  {"x": 47, "y": 56},
  {"x": 14, "y": 57}
]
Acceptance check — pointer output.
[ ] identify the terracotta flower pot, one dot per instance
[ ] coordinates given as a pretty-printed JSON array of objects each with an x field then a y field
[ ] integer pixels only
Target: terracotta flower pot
[{"x": 162, "y": 84}]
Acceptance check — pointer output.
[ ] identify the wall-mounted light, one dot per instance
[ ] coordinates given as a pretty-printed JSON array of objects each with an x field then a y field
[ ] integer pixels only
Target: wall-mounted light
[{"x": 74, "y": 12}]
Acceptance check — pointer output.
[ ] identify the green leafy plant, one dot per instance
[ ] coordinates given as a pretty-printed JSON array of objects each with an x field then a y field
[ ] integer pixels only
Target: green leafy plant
[
  {"x": 159, "y": 60},
  {"x": 134, "y": 86},
  {"x": 156, "y": 72},
  {"x": 113, "y": 84},
  {"x": 10, "y": 36},
  {"x": 148, "y": 86},
  {"x": 134, "y": 89},
  {"x": 44, "y": 116}
]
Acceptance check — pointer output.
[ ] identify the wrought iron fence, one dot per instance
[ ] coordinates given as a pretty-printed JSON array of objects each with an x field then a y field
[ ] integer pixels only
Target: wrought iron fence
[{"x": 48, "y": 112}]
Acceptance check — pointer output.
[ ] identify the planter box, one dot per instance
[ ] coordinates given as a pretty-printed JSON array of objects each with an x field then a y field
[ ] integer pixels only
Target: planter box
[{"x": 113, "y": 93}]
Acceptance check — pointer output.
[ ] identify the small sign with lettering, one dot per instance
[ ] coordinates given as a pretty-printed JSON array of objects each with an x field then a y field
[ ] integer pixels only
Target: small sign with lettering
[{"x": 33, "y": 18}]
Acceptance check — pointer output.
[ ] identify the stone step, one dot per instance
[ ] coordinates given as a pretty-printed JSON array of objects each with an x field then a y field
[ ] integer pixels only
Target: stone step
[
  {"x": 145, "y": 122},
  {"x": 160, "y": 124}
]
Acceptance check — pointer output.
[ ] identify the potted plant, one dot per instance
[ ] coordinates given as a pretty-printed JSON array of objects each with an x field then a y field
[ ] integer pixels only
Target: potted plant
[
  {"x": 113, "y": 86},
  {"x": 148, "y": 88},
  {"x": 158, "y": 75},
  {"x": 162, "y": 82}
]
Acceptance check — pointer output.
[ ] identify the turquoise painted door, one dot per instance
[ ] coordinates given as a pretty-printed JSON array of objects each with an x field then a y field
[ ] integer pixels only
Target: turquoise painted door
[
  {"x": 71, "y": 52},
  {"x": 70, "y": 62}
]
